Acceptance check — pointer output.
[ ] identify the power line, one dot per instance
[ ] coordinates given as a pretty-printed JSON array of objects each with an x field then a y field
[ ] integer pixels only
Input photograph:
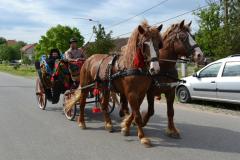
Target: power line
[
  {"x": 125, "y": 20},
  {"x": 138, "y": 14},
  {"x": 205, "y": 6}
]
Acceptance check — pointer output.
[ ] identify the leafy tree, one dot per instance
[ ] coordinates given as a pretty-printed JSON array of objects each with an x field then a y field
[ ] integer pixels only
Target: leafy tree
[
  {"x": 103, "y": 42},
  {"x": 233, "y": 8},
  {"x": 219, "y": 31},
  {"x": 209, "y": 29},
  {"x": 9, "y": 53},
  {"x": 26, "y": 60},
  {"x": 57, "y": 37},
  {"x": 2, "y": 40}
]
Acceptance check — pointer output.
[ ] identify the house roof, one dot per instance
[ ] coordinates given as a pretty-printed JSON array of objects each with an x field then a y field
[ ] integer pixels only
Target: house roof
[
  {"x": 27, "y": 47},
  {"x": 11, "y": 42}
]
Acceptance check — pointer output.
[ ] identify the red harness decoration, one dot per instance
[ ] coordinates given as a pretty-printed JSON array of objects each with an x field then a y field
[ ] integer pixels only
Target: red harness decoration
[{"x": 138, "y": 61}]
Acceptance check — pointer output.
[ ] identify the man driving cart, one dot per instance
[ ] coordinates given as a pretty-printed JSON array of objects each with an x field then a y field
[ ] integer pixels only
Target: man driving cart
[
  {"x": 74, "y": 53},
  {"x": 76, "y": 57}
]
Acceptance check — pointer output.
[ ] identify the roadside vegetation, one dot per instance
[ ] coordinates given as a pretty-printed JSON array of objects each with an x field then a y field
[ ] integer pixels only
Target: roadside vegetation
[{"x": 20, "y": 70}]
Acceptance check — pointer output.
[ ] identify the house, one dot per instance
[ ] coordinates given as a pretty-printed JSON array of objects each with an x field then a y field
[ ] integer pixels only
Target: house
[
  {"x": 28, "y": 50},
  {"x": 11, "y": 42},
  {"x": 119, "y": 43}
]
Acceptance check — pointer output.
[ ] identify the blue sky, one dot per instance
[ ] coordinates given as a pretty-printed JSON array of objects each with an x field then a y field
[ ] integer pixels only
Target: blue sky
[{"x": 27, "y": 20}]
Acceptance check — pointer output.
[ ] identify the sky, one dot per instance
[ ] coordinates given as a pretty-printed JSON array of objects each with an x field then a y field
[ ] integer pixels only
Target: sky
[{"x": 28, "y": 20}]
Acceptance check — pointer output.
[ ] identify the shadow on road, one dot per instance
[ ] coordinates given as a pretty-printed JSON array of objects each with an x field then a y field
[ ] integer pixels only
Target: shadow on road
[
  {"x": 192, "y": 136},
  {"x": 235, "y": 107},
  {"x": 196, "y": 137}
]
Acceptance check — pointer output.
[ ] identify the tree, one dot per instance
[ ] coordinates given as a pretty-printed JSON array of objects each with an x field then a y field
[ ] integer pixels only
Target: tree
[
  {"x": 26, "y": 60},
  {"x": 103, "y": 42},
  {"x": 57, "y": 37},
  {"x": 209, "y": 29},
  {"x": 2, "y": 40},
  {"x": 219, "y": 31},
  {"x": 8, "y": 53}
]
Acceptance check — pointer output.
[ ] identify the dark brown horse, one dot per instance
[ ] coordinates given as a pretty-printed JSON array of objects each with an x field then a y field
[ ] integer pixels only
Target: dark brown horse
[
  {"x": 177, "y": 42},
  {"x": 145, "y": 41}
]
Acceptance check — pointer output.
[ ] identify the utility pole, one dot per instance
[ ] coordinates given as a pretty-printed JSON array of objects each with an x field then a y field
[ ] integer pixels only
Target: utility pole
[
  {"x": 184, "y": 68},
  {"x": 225, "y": 3}
]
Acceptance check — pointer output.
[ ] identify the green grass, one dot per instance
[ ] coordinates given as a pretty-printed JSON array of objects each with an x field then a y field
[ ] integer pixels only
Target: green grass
[{"x": 23, "y": 70}]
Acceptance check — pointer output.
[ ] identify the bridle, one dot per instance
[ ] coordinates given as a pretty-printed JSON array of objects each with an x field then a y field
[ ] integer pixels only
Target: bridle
[
  {"x": 184, "y": 38},
  {"x": 141, "y": 45}
]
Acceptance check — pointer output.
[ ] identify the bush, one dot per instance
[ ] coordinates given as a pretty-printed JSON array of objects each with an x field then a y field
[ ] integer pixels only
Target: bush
[
  {"x": 16, "y": 66},
  {"x": 26, "y": 60}
]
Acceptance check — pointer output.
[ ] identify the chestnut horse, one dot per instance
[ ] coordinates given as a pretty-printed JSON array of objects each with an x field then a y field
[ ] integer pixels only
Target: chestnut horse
[
  {"x": 145, "y": 42},
  {"x": 177, "y": 42}
]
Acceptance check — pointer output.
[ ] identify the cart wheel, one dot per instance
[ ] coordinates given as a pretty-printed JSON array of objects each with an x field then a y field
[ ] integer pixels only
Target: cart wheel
[
  {"x": 111, "y": 103},
  {"x": 40, "y": 95},
  {"x": 70, "y": 115}
]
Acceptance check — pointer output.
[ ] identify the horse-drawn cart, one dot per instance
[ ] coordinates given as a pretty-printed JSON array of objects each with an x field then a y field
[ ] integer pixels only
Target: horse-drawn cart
[{"x": 64, "y": 79}]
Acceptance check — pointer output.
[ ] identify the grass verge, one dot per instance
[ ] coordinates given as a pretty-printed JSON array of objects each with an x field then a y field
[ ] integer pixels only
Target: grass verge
[{"x": 23, "y": 70}]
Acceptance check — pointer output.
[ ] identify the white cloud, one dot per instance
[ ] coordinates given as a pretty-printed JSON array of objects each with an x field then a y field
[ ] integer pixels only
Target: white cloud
[{"x": 108, "y": 12}]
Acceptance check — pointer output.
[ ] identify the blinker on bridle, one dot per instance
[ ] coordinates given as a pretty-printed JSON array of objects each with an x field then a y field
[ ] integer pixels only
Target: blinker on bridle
[
  {"x": 141, "y": 45},
  {"x": 187, "y": 45}
]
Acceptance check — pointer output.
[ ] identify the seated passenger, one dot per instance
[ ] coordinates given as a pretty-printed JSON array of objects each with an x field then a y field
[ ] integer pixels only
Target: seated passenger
[
  {"x": 74, "y": 53},
  {"x": 53, "y": 56}
]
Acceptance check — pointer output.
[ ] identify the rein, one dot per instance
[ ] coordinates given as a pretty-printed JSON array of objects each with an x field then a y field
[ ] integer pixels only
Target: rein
[{"x": 179, "y": 60}]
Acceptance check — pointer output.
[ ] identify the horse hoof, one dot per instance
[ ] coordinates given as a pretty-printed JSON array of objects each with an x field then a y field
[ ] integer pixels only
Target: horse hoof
[
  {"x": 173, "y": 134},
  {"x": 109, "y": 127},
  {"x": 146, "y": 142},
  {"x": 123, "y": 125},
  {"x": 82, "y": 125},
  {"x": 125, "y": 131}
]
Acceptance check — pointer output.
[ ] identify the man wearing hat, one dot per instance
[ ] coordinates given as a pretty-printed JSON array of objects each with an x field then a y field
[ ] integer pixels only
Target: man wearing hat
[{"x": 74, "y": 53}]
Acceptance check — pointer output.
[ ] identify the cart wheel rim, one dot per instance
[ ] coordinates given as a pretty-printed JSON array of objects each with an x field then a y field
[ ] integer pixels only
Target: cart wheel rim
[
  {"x": 70, "y": 115},
  {"x": 40, "y": 95}
]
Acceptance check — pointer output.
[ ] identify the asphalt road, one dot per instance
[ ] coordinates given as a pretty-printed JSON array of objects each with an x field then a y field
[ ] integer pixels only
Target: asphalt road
[{"x": 28, "y": 133}]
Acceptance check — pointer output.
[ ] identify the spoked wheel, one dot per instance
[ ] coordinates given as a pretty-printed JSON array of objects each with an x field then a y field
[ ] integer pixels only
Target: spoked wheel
[
  {"x": 40, "y": 95},
  {"x": 111, "y": 103},
  {"x": 71, "y": 114}
]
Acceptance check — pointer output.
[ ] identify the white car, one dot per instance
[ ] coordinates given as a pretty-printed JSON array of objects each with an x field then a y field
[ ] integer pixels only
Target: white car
[{"x": 218, "y": 81}]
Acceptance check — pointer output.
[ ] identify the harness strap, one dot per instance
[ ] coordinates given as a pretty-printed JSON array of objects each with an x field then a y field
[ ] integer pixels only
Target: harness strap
[
  {"x": 171, "y": 84},
  {"x": 130, "y": 72}
]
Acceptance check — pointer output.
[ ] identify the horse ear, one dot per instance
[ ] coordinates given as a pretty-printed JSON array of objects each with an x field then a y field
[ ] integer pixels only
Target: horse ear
[
  {"x": 160, "y": 27},
  {"x": 189, "y": 24},
  {"x": 181, "y": 24},
  {"x": 141, "y": 29}
]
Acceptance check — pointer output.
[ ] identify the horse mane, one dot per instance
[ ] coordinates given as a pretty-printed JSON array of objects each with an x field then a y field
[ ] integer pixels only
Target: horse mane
[
  {"x": 172, "y": 28},
  {"x": 129, "y": 49}
]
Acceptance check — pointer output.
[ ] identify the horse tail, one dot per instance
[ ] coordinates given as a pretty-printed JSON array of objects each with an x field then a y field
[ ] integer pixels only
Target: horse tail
[{"x": 73, "y": 100}]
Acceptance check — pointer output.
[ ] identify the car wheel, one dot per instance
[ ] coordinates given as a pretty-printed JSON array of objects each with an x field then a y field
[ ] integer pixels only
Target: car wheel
[{"x": 183, "y": 94}]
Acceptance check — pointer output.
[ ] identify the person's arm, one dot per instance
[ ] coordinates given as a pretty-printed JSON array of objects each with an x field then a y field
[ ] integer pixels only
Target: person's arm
[
  {"x": 82, "y": 54},
  {"x": 68, "y": 57}
]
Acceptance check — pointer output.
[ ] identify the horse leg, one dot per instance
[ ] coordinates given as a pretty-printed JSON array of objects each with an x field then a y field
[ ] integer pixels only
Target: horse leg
[
  {"x": 126, "y": 123},
  {"x": 150, "y": 112},
  {"x": 108, "y": 121},
  {"x": 171, "y": 131},
  {"x": 135, "y": 103},
  {"x": 124, "y": 110},
  {"x": 81, "y": 119}
]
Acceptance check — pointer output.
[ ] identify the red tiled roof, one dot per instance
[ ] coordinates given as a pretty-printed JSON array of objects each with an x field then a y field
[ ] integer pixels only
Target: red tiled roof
[
  {"x": 28, "y": 46},
  {"x": 11, "y": 42}
]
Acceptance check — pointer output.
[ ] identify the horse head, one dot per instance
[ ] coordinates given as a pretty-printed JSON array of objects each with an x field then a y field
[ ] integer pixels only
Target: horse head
[
  {"x": 181, "y": 40},
  {"x": 144, "y": 43},
  {"x": 149, "y": 42}
]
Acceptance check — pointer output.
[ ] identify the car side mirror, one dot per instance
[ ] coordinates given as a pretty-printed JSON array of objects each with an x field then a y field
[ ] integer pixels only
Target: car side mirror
[{"x": 195, "y": 75}]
